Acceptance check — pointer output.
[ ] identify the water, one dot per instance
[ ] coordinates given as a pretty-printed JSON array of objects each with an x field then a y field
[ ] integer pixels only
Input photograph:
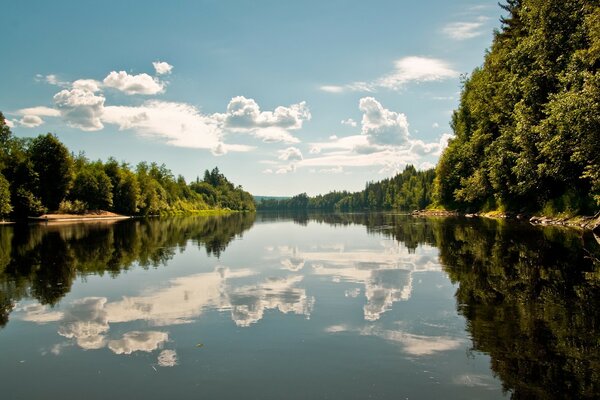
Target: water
[{"x": 344, "y": 306}]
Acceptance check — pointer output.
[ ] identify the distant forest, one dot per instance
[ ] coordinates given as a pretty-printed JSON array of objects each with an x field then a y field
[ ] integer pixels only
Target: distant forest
[
  {"x": 408, "y": 190},
  {"x": 38, "y": 175}
]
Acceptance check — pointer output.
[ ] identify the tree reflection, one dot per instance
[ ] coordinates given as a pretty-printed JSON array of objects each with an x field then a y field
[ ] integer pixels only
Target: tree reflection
[
  {"x": 532, "y": 302},
  {"x": 42, "y": 261}
]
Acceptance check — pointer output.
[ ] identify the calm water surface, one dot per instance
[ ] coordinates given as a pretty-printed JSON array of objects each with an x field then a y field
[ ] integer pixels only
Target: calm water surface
[{"x": 344, "y": 306}]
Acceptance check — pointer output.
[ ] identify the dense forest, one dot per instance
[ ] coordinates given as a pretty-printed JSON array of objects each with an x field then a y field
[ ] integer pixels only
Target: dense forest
[
  {"x": 408, "y": 190},
  {"x": 527, "y": 130},
  {"x": 39, "y": 174}
]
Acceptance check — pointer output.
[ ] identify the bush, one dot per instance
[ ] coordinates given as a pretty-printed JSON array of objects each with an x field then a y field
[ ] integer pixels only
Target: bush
[{"x": 72, "y": 207}]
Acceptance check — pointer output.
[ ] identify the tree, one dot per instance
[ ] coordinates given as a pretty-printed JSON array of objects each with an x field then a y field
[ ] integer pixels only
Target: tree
[
  {"x": 93, "y": 186},
  {"x": 54, "y": 166},
  {"x": 5, "y": 206},
  {"x": 528, "y": 123}
]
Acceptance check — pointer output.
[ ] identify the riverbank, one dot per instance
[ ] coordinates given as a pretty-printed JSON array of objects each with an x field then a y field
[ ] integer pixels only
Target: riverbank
[
  {"x": 98, "y": 215},
  {"x": 580, "y": 222}
]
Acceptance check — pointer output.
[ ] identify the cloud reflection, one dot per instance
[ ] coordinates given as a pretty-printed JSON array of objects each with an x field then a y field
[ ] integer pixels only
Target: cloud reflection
[
  {"x": 87, "y": 321},
  {"x": 386, "y": 271}
]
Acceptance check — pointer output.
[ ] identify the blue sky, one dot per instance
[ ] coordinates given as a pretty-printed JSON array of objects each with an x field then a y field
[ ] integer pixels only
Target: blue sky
[{"x": 284, "y": 97}]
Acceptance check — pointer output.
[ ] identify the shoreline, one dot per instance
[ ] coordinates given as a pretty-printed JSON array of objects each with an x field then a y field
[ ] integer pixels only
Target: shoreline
[
  {"x": 591, "y": 223},
  {"x": 107, "y": 216}
]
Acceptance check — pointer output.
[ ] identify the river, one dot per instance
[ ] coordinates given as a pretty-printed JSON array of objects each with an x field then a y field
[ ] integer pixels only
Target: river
[{"x": 300, "y": 306}]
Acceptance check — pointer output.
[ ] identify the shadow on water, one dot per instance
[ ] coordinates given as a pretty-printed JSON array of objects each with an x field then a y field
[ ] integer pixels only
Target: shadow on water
[{"x": 530, "y": 295}]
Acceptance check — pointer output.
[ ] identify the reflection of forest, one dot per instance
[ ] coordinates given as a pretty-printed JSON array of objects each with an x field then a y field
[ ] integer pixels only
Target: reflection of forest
[
  {"x": 42, "y": 261},
  {"x": 531, "y": 295},
  {"x": 532, "y": 302}
]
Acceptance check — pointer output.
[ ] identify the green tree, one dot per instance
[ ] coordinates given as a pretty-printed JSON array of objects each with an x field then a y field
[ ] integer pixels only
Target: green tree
[
  {"x": 93, "y": 186},
  {"x": 5, "y": 205},
  {"x": 54, "y": 166}
]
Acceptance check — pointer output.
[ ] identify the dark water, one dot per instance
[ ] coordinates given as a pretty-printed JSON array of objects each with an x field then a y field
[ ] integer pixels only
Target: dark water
[{"x": 299, "y": 307}]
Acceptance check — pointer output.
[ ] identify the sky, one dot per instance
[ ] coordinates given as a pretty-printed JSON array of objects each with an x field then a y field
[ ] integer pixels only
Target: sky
[{"x": 283, "y": 97}]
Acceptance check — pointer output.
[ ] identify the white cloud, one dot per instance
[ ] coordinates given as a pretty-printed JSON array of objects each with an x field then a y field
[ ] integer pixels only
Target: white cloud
[
  {"x": 384, "y": 142},
  {"x": 81, "y": 108},
  {"x": 349, "y": 122},
  {"x": 274, "y": 135},
  {"x": 334, "y": 170},
  {"x": 416, "y": 69},
  {"x": 32, "y": 115},
  {"x": 332, "y": 88},
  {"x": 9, "y": 123},
  {"x": 91, "y": 85},
  {"x": 406, "y": 70},
  {"x": 415, "y": 345},
  {"x": 52, "y": 80},
  {"x": 180, "y": 124},
  {"x": 382, "y": 126},
  {"x": 465, "y": 30},
  {"x": 134, "y": 84},
  {"x": 31, "y": 121},
  {"x": 246, "y": 114},
  {"x": 167, "y": 358},
  {"x": 162, "y": 68},
  {"x": 435, "y": 125},
  {"x": 40, "y": 111},
  {"x": 290, "y": 154},
  {"x": 286, "y": 169},
  {"x": 138, "y": 341},
  {"x": 267, "y": 171}
]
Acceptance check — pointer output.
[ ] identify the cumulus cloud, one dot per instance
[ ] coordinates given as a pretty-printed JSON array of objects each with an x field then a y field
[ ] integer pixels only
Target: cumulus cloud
[
  {"x": 384, "y": 141},
  {"x": 86, "y": 321},
  {"x": 51, "y": 79},
  {"x": 245, "y": 115},
  {"x": 31, "y": 121},
  {"x": 91, "y": 85},
  {"x": 162, "y": 67},
  {"x": 167, "y": 358},
  {"x": 138, "y": 341},
  {"x": 406, "y": 70},
  {"x": 465, "y": 30},
  {"x": 180, "y": 124},
  {"x": 349, "y": 122},
  {"x": 81, "y": 108},
  {"x": 9, "y": 123},
  {"x": 133, "y": 84},
  {"x": 382, "y": 126},
  {"x": 83, "y": 105},
  {"x": 290, "y": 154}
]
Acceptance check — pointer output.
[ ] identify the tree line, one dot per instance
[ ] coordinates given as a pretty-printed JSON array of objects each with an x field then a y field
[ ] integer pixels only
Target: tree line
[
  {"x": 39, "y": 174},
  {"x": 527, "y": 130},
  {"x": 407, "y": 191}
]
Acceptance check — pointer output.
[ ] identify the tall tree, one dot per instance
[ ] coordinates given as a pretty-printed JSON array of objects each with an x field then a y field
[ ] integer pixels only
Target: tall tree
[{"x": 54, "y": 166}]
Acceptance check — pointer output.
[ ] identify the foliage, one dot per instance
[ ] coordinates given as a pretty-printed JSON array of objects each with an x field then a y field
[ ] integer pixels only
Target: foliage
[
  {"x": 72, "y": 207},
  {"x": 5, "y": 206},
  {"x": 407, "y": 191},
  {"x": 527, "y": 130},
  {"x": 53, "y": 164},
  {"x": 41, "y": 174}
]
